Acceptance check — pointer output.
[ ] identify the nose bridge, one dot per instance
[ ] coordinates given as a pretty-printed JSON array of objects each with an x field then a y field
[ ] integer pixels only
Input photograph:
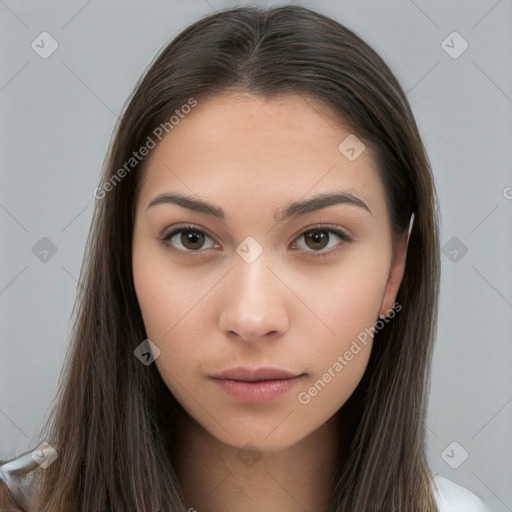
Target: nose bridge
[
  {"x": 254, "y": 304},
  {"x": 254, "y": 280},
  {"x": 251, "y": 272}
]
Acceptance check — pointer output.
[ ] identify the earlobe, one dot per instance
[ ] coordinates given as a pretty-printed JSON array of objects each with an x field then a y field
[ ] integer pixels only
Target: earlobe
[{"x": 397, "y": 271}]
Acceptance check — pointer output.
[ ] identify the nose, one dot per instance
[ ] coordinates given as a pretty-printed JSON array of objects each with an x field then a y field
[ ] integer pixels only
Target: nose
[{"x": 255, "y": 301}]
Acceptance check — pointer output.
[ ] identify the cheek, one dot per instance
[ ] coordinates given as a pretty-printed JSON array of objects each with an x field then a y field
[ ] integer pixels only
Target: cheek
[
  {"x": 348, "y": 306},
  {"x": 168, "y": 302},
  {"x": 155, "y": 300},
  {"x": 165, "y": 310},
  {"x": 339, "y": 360},
  {"x": 348, "y": 297},
  {"x": 329, "y": 389},
  {"x": 164, "y": 294}
]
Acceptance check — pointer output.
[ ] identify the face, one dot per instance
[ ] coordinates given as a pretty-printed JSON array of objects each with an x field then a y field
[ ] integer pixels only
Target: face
[{"x": 263, "y": 314}]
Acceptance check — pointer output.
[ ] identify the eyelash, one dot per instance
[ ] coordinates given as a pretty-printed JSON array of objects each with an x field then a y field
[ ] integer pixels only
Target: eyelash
[{"x": 165, "y": 239}]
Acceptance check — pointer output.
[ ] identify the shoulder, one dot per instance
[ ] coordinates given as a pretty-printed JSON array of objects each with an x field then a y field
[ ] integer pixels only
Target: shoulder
[
  {"x": 452, "y": 497},
  {"x": 19, "y": 483}
]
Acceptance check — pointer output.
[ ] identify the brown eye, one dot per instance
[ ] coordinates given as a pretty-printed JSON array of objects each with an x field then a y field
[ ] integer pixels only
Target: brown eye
[
  {"x": 192, "y": 239},
  {"x": 320, "y": 238},
  {"x": 316, "y": 239},
  {"x": 189, "y": 239}
]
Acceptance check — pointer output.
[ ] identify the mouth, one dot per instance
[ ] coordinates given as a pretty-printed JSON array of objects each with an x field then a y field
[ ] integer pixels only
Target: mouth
[
  {"x": 247, "y": 374},
  {"x": 256, "y": 385}
]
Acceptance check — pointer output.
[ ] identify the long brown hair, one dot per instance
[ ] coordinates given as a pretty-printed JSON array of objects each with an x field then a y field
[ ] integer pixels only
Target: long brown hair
[{"x": 113, "y": 420}]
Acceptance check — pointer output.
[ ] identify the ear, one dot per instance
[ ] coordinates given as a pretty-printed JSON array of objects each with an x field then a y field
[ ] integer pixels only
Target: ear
[{"x": 396, "y": 272}]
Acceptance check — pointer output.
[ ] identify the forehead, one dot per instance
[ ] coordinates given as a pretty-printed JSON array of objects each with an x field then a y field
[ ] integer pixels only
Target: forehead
[{"x": 237, "y": 143}]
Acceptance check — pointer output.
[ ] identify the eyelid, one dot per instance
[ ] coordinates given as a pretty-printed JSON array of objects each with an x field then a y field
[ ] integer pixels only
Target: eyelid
[
  {"x": 177, "y": 228},
  {"x": 332, "y": 228}
]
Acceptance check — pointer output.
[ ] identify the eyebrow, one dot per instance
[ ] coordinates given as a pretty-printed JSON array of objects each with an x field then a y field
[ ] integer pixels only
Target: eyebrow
[{"x": 293, "y": 209}]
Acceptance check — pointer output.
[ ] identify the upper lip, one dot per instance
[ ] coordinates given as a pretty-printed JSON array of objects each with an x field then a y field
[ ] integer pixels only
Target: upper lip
[{"x": 254, "y": 374}]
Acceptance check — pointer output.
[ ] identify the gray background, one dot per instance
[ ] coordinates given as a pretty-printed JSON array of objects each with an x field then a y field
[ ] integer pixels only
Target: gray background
[{"x": 57, "y": 115}]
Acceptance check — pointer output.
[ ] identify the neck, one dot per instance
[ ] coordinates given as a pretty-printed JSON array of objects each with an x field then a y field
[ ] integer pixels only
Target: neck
[{"x": 216, "y": 477}]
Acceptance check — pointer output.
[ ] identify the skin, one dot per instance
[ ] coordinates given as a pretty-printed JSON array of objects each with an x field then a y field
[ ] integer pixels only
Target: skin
[{"x": 287, "y": 308}]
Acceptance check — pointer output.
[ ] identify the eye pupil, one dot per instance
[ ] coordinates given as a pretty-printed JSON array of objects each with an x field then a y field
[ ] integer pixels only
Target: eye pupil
[
  {"x": 317, "y": 237},
  {"x": 194, "y": 237}
]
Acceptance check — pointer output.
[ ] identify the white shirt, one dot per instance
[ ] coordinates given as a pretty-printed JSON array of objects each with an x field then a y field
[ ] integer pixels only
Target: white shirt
[{"x": 452, "y": 497}]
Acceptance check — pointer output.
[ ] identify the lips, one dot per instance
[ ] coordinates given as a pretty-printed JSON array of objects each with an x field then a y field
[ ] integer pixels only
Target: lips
[
  {"x": 247, "y": 374},
  {"x": 256, "y": 385}
]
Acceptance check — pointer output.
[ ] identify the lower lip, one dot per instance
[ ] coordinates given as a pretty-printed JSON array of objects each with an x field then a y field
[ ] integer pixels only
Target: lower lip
[{"x": 257, "y": 391}]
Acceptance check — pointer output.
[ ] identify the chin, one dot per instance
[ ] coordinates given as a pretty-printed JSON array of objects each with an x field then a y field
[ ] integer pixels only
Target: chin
[{"x": 270, "y": 435}]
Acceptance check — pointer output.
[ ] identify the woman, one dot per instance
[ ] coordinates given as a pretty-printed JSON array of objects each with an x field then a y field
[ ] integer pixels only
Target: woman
[{"x": 259, "y": 293}]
